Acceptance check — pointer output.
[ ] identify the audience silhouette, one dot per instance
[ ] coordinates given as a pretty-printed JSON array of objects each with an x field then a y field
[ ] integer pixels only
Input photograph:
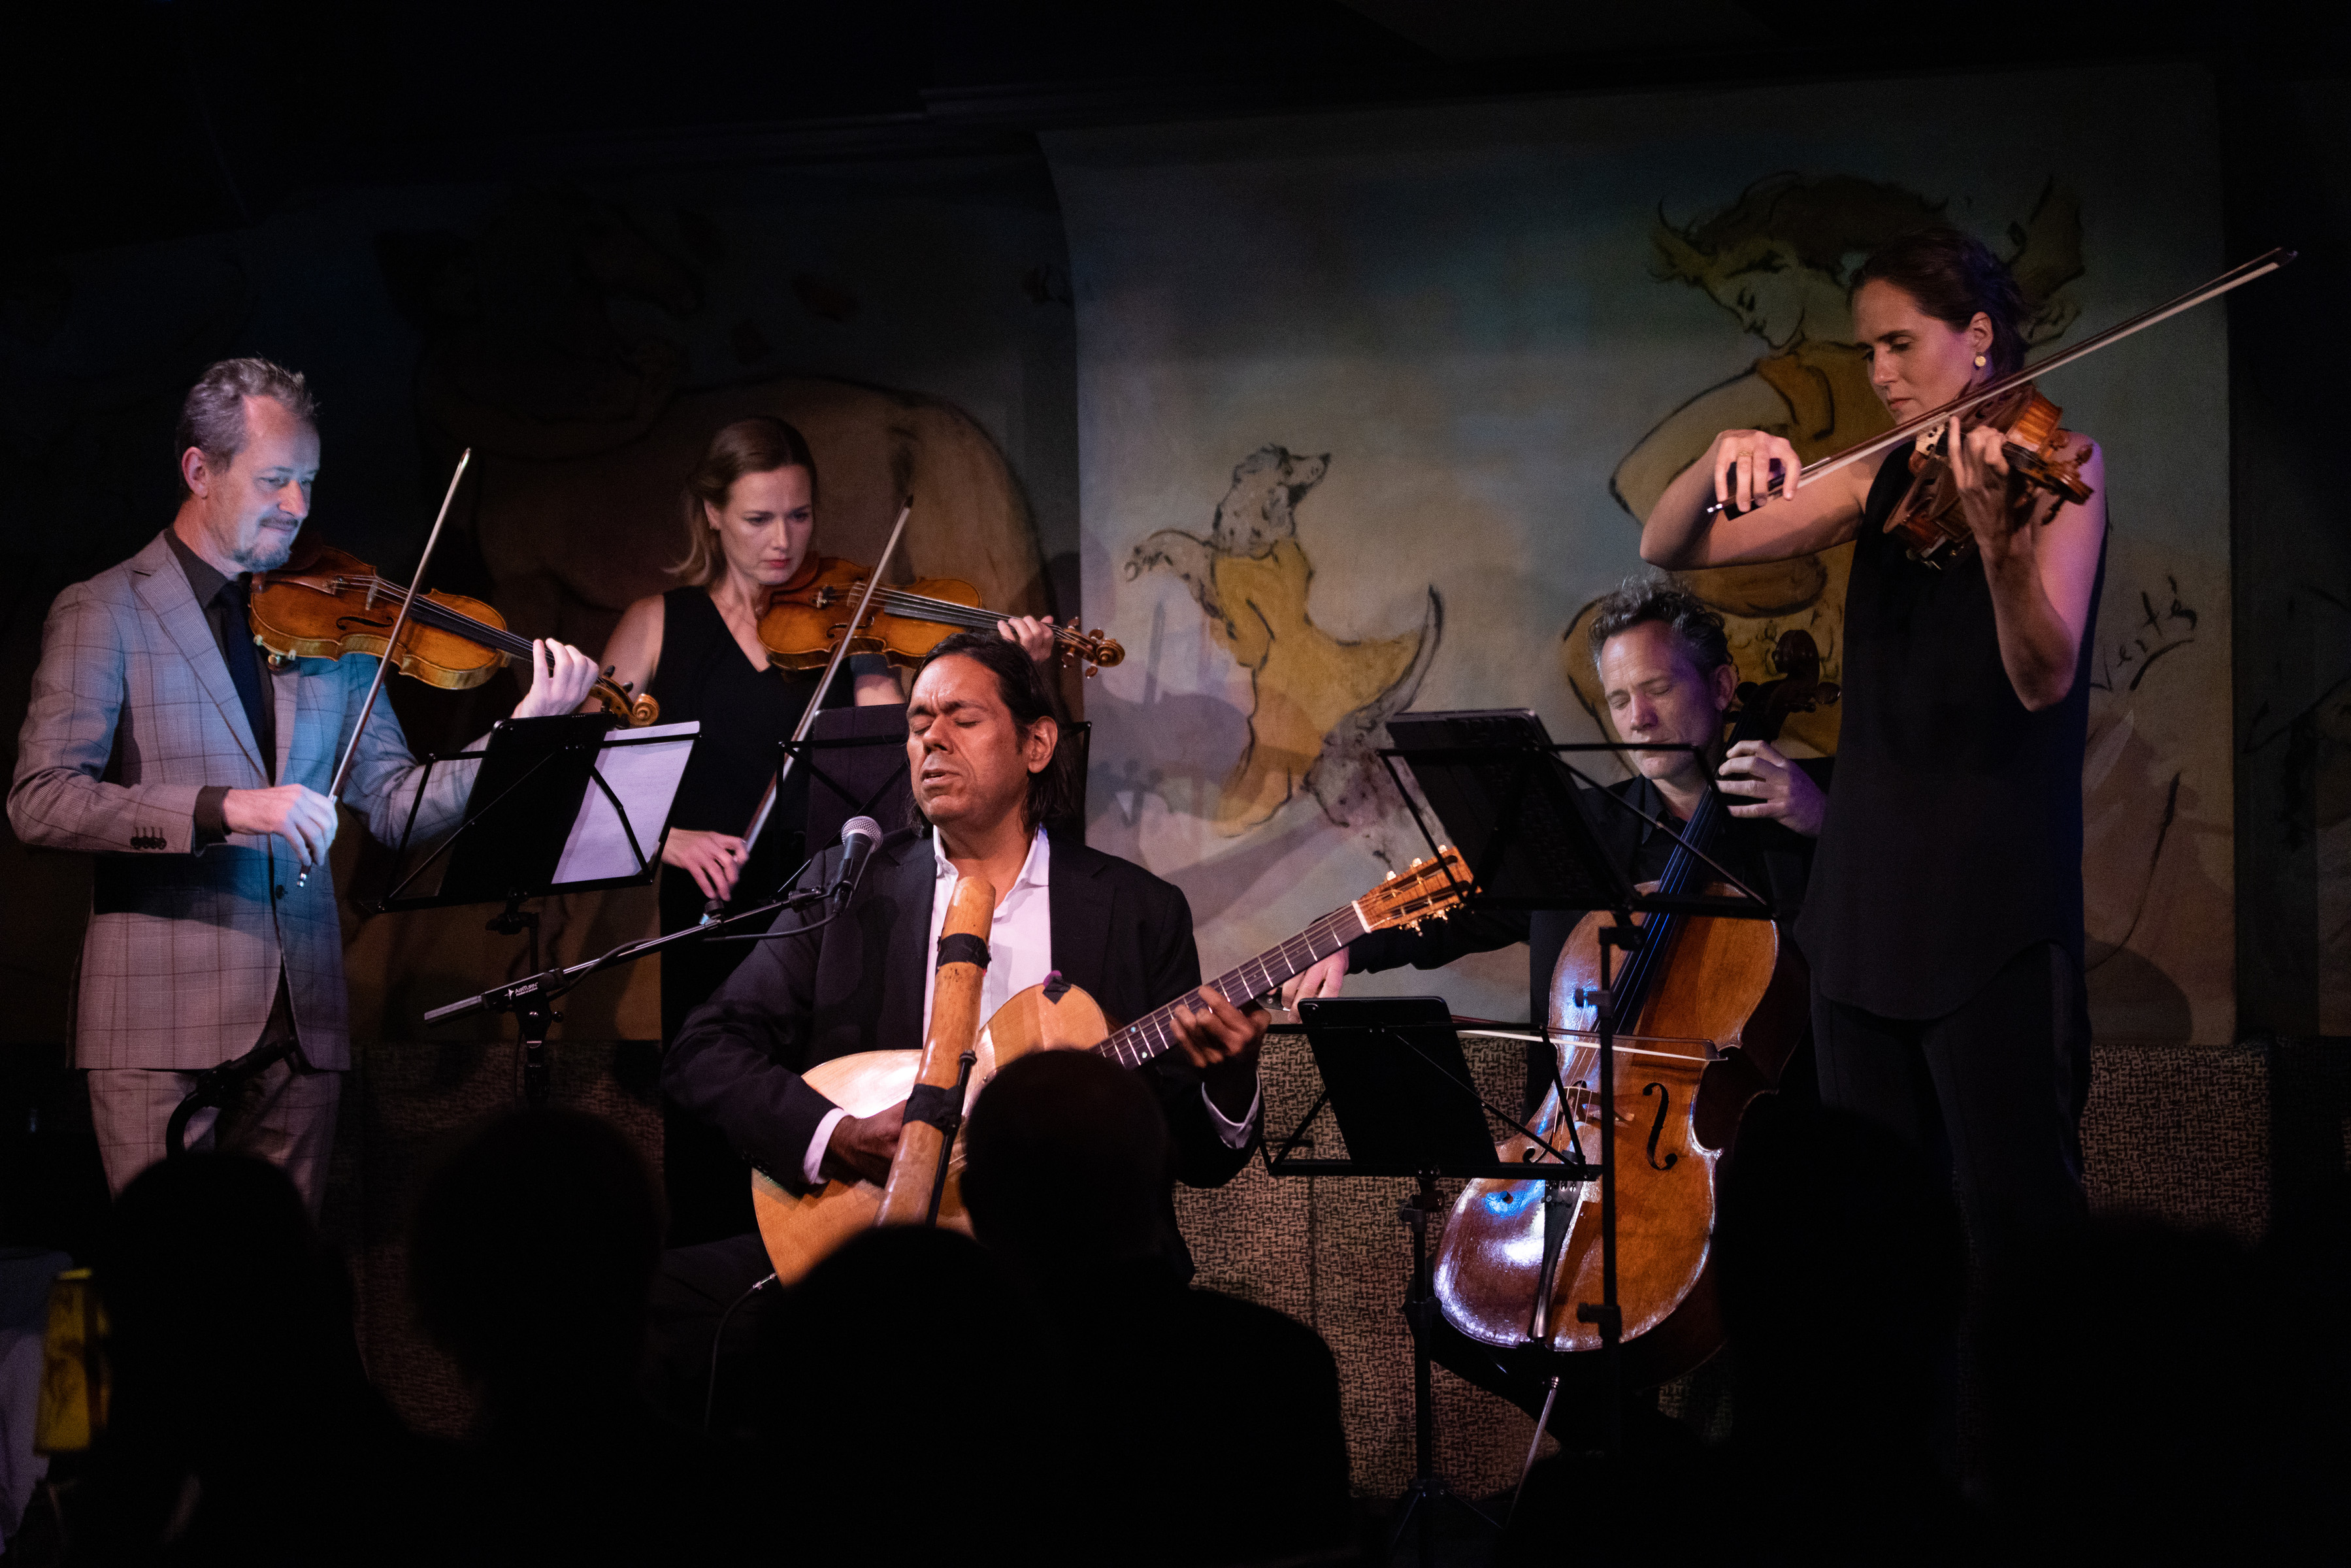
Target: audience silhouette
[
  {"x": 2157, "y": 1396},
  {"x": 1053, "y": 1393},
  {"x": 242, "y": 1427},
  {"x": 907, "y": 1410},
  {"x": 1840, "y": 1265},
  {"x": 534, "y": 1243},
  {"x": 1203, "y": 1429}
]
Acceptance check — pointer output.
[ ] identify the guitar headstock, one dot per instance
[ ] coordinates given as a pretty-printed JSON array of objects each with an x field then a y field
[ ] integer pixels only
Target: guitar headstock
[{"x": 1425, "y": 890}]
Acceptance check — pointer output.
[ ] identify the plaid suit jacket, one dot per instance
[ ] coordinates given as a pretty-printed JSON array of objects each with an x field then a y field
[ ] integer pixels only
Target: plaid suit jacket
[{"x": 132, "y": 714}]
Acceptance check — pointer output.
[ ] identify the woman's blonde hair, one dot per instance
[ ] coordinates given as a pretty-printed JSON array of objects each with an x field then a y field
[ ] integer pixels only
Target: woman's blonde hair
[{"x": 760, "y": 444}]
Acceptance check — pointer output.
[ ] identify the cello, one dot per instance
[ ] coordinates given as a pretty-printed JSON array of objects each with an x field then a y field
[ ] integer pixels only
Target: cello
[{"x": 1709, "y": 1010}]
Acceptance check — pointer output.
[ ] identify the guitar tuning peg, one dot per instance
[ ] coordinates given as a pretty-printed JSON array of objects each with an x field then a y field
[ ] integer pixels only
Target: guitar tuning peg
[{"x": 1415, "y": 861}]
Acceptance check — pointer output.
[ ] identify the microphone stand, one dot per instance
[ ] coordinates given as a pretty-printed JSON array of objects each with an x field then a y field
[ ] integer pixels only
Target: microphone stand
[{"x": 532, "y": 999}]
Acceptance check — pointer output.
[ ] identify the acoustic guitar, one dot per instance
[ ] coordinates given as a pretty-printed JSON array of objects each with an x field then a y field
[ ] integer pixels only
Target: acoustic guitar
[{"x": 801, "y": 1230}]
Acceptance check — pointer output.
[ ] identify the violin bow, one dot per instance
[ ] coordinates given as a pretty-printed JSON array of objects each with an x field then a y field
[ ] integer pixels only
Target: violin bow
[
  {"x": 391, "y": 643},
  {"x": 2262, "y": 266},
  {"x": 710, "y": 910}
]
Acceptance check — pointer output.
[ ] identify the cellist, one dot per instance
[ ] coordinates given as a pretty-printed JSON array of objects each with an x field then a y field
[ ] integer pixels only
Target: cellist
[
  {"x": 1666, "y": 674},
  {"x": 1944, "y": 923}
]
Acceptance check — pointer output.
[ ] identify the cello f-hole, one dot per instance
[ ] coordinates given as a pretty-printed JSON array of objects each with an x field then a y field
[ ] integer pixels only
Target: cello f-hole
[{"x": 1657, "y": 1127}]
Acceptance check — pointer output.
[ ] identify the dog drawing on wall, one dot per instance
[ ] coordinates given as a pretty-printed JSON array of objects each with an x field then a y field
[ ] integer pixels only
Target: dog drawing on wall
[{"x": 1317, "y": 704}]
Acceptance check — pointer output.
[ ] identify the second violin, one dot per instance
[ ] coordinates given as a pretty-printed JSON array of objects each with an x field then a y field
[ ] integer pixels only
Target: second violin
[{"x": 807, "y": 615}]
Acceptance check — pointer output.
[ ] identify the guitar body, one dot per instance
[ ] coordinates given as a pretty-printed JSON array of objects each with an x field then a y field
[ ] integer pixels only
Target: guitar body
[
  {"x": 1714, "y": 1032},
  {"x": 801, "y": 1230}
]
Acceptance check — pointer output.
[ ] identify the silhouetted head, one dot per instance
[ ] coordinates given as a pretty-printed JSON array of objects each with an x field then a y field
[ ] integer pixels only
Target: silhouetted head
[
  {"x": 1841, "y": 1266},
  {"x": 2126, "y": 1354},
  {"x": 225, "y": 1312},
  {"x": 1065, "y": 1161},
  {"x": 909, "y": 1332},
  {"x": 534, "y": 1246}
]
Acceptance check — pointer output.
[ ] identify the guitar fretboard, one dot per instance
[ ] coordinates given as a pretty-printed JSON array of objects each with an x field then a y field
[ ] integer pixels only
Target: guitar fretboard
[{"x": 1154, "y": 1032}]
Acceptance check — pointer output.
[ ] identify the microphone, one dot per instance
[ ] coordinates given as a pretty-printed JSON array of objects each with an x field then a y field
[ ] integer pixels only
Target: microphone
[{"x": 859, "y": 837}]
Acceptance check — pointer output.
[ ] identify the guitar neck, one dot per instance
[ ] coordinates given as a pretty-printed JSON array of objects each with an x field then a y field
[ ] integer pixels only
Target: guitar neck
[{"x": 1154, "y": 1032}]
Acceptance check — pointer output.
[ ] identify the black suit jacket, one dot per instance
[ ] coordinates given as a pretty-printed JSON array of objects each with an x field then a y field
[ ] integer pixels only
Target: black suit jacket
[{"x": 1121, "y": 934}]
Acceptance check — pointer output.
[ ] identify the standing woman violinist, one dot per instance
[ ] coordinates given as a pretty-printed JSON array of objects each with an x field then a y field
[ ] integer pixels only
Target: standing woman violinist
[
  {"x": 750, "y": 514},
  {"x": 1944, "y": 921}
]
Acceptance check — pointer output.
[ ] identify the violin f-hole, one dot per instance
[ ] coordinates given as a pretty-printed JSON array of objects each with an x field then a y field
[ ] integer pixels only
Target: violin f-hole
[{"x": 1657, "y": 1128}]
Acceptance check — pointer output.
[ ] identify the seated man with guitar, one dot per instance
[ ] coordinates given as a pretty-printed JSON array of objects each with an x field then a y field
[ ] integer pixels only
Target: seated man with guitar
[{"x": 987, "y": 774}]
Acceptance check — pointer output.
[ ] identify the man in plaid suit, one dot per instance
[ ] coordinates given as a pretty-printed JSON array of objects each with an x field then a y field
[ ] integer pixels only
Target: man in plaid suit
[{"x": 161, "y": 739}]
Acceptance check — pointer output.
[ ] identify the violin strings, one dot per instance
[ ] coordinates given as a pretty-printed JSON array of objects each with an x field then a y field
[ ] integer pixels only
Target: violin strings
[
  {"x": 921, "y": 606},
  {"x": 457, "y": 621}
]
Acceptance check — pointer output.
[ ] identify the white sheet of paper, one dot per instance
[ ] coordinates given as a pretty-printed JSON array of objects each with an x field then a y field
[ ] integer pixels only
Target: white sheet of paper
[{"x": 644, "y": 773}]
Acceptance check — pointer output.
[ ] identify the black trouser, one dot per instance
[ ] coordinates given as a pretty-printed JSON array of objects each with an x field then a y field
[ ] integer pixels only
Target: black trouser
[{"x": 1992, "y": 1092}]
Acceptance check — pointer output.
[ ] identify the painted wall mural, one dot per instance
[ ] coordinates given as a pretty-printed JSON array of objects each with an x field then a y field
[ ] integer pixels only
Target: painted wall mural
[{"x": 1436, "y": 364}]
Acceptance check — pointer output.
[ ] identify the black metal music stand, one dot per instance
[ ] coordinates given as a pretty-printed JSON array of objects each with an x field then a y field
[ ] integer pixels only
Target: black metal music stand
[
  {"x": 544, "y": 818},
  {"x": 1394, "y": 1079},
  {"x": 854, "y": 759},
  {"x": 1519, "y": 814}
]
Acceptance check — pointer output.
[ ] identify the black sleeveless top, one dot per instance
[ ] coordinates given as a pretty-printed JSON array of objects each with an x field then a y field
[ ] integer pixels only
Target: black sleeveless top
[
  {"x": 745, "y": 714},
  {"x": 1954, "y": 832}
]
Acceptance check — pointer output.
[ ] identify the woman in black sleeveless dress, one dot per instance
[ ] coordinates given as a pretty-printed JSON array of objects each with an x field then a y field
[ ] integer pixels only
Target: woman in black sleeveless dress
[
  {"x": 750, "y": 522},
  {"x": 1944, "y": 918}
]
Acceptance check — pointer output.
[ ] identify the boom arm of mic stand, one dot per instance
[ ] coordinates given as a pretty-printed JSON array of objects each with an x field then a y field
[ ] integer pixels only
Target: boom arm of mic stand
[{"x": 552, "y": 983}]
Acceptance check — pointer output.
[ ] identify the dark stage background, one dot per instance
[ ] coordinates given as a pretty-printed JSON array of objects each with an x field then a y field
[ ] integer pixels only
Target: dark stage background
[{"x": 578, "y": 238}]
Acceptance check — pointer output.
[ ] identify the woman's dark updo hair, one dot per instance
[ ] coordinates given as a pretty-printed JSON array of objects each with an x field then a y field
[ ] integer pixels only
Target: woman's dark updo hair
[
  {"x": 1952, "y": 276},
  {"x": 1052, "y": 791}
]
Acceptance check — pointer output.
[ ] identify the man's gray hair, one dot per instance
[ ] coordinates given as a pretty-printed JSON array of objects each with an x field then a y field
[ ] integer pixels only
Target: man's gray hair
[
  {"x": 211, "y": 420},
  {"x": 1664, "y": 600}
]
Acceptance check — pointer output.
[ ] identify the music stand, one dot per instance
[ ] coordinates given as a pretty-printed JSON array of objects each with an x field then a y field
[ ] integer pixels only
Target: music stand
[
  {"x": 1395, "y": 1081},
  {"x": 1520, "y": 814},
  {"x": 854, "y": 759},
  {"x": 561, "y": 804}
]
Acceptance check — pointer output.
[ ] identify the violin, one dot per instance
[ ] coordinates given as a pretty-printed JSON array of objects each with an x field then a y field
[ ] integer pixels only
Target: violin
[
  {"x": 334, "y": 603},
  {"x": 807, "y": 616},
  {"x": 2043, "y": 473},
  {"x": 1709, "y": 1009},
  {"x": 2037, "y": 450}
]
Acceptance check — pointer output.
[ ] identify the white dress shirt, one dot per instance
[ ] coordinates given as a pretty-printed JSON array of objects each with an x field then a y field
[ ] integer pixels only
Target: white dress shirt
[{"x": 1019, "y": 955}]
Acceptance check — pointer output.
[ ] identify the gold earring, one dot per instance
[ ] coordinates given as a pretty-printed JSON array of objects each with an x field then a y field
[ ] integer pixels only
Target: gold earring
[{"x": 1978, "y": 362}]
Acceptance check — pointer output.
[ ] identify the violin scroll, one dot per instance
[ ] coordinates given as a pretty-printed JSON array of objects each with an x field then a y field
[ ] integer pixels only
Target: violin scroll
[
  {"x": 2043, "y": 474},
  {"x": 633, "y": 709},
  {"x": 1765, "y": 707}
]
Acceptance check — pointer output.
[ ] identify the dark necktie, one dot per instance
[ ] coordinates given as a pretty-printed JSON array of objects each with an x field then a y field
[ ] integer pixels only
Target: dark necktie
[{"x": 236, "y": 652}]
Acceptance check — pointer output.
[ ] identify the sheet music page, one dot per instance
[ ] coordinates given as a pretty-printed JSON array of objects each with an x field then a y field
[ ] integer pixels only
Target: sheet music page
[{"x": 644, "y": 770}]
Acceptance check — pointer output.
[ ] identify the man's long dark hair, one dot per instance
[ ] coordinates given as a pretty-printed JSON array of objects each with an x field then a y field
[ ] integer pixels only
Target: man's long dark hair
[{"x": 1052, "y": 791}]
